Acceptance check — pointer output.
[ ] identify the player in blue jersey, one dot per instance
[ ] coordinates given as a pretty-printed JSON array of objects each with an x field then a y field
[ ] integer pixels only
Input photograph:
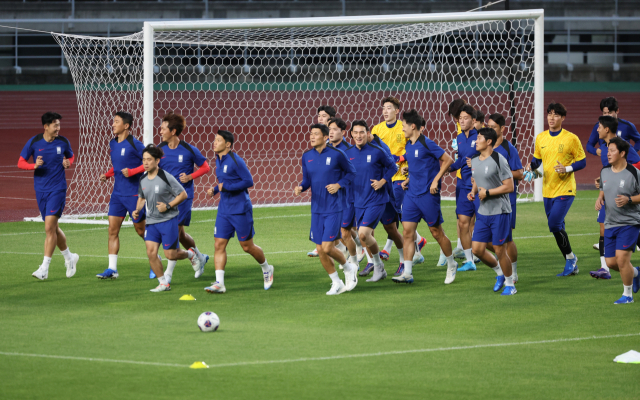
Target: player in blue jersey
[
  {"x": 427, "y": 164},
  {"x": 374, "y": 169},
  {"x": 52, "y": 155},
  {"x": 325, "y": 170},
  {"x": 179, "y": 159},
  {"x": 235, "y": 211},
  {"x": 126, "y": 164},
  {"x": 465, "y": 210}
]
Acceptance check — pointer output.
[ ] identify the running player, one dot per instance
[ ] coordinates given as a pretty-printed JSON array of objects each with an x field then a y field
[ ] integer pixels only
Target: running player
[
  {"x": 126, "y": 163},
  {"x": 52, "y": 155},
  {"x": 561, "y": 154},
  {"x": 235, "y": 211},
  {"x": 620, "y": 194},
  {"x": 325, "y": 170}
]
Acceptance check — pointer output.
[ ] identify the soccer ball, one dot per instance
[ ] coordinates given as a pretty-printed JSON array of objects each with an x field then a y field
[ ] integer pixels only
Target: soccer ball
[{"x": 208, "y": 321}]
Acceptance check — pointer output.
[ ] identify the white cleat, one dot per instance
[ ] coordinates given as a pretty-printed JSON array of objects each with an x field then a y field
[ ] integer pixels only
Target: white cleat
[
  {"x": 403, "y": 279},
  {"x": 313, "y": 253},
  {"x": 442, "y": 261},
  {"x": 337, "y": 288},
  {"x": 41, "y": 273},
  {"x": 418, "y": 258},
  {"x": 458, "y": 253},
  {"x": 204, "y": 258},
  {"x": 216, "y": 287},
  {"x": 451, "y": 274},
  {"x": 350, "y": 276},
  {"x": 361, "y": 255},
  {"x": 596, "y": 246},
  {"x": 71, "y": 265},
  {"x": 161, "y": 288},
  {"x": 196, "y": 262},
  {"x": 378, "y": 274},
  {"x": 268, "y": 278},
  {"x": 476, "y": 260}
]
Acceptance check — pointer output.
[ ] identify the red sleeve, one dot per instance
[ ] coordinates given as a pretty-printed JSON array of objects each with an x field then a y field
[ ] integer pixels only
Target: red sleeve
[
  {"x": 109, "y": 173},
  {"x": 204, "y": 168},
  {"x": 136, "y": 171},
  {"x": 72, "y": 159},
  {"x": 23, "y": 164},
  {"x": 637, "y": 165}
]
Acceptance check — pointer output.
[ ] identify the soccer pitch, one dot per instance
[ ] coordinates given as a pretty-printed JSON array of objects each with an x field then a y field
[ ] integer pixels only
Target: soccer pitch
[{"x": 86, "y": 338}]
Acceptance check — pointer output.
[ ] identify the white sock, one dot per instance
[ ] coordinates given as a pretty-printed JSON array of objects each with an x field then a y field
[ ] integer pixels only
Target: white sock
[
  {"x": 508, "y": 280},
  {"x": 46, "y": 262},
  {"x": 514, "y": 268},
  {"x": 353, "y": 260},
  {"x": 627, "y": 291},
  {"x": 358, "y": 243},
  {"x": 459, "y": 244},
  {"x": 190, "y": 254},
  {"x": 570, "y": 256},
  {"x": 113, "y": 262},
  {"x": 603, "y": 263},
  {"x": 369, "y": 259},
  {"x": 197, "y": 251},
  {"x": 67, "y": 254},
  {"x": 498, "y": 270},
  {"x": 162, "y": 280},
  {"x": 388, "y": 245},
  {"x": 340, "y": 246},
  {"x": 401, "y": 254},
  {"x": 220, "y": 276},
  {"x": 418, "y": 237},
  {"x": 441, "y": 252},
  {"x": 376, "y": 260},
  {"x": 408, "y": 267},
  {"x": 335, "y": 278},
  {"x": 468, "y": 255},
  {"x": 635, "y": 272},
  {"x": 451, "y": 263},
  {"x": 171, "y": 265},
  {"x": 265, "y": 266}
]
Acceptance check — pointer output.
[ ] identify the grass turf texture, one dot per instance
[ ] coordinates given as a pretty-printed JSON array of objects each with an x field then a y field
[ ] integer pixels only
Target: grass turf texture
[{"x": 122, "y": 320}]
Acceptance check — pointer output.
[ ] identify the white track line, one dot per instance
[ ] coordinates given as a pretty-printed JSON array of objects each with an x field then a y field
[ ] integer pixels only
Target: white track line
[{"x": 328, "y": 358}]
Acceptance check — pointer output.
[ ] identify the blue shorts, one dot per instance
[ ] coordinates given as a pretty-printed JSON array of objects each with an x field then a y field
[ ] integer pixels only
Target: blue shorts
[
  {"x": 463, "y": 205},
  {"x": 228, "y": 224},
  {"x": 119, "y": 206},
  {"x": 166, "y": 233},
  {"x": 493, "y": 229},
  {"x": 349, "y": 216},
  {"x": 325, "y": 227},
  {"x": 369, "y": 216},
  {"x": 398, "y": 195},
  {"x": 184, "y": 212},
  {"x": 602, "y": 214},
  {"x": 620, "y": 238},
  {"x": 425, "y": 207},
  {"x": 390, "y": 214},
  {"x": 556, "y": 209},
  {"x": 51, "y": 203}
]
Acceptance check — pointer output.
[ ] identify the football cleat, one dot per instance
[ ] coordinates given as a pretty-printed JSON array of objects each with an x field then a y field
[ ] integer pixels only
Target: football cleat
[
  {"x": 417, "y": 258},
  {"x": 152, "y": 275},
  {"x": 337, "y": 288},
  {"x": 468, "y": 266},
  {"x": 458, "y": 253},
  {"x": 350, "y": 276},
  {"x": 400, "y": 270},
  {"x": 509, "y": 291},
  {"x": 313, "y": 253},
  {"x": 161, "y": 288},
  {"x": 421, "y": 244},
  {"x": 41, "y": 273},
  {"x": 636, "y": 281},
  {"x": 367, "y": 270},
  {"x": 442, "y": 261},
  {"x": 361, "y": 255},
  {"x": 71, "y": 265},
  {"x": 403, "y": 279},
  {"x": 196, "y": 262},
  {"x": 204, "y": 260},
  {"x": 499, "y": 283},
  {"x": 600, "y": 274},
  {"x": 476, "y": 260},
  {"x": 268, "y": 278},
  {"x": 216, "y": 288},
  {"x": 570, "y": 267},
  {"x": 624, "y": 300},
  {"x": 384, "y": 255},
  {"x": 108, "y": 274},
  {"x": 451, "y": 274},
  {"x": 596, "y": 246},
  {"x": 378, "y": 275}
]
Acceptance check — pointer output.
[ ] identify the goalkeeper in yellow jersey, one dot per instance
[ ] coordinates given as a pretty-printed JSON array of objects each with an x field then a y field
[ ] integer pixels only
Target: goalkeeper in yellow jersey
[{"x": 561, "y": 154}]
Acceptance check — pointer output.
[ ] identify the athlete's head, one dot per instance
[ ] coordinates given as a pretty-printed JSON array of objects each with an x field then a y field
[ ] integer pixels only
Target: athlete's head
[
  {"x": 497, "y": 123},
  {"x": 336, "y": 129},
  {"x": 607, "y": 126},
  {"x": 486, "y": 138},
  {"x": 318, "y": 134},
  {"x": 454, "y": 108},
  {"x": 172, "y": 125},
  {"x": 390, "y": 109},
  {"x": 618, "y": 149},
  {"x": 609, "y": 106},
  {"x": 122, "y": 121},
  {"x": 325, "y": 113},
  {"x": 467, "y": 117},
  {"x": 479, "y": 124},
  {"x": 223, "y": 142},
  {"x": 361, "y": 126},
  {"x": 556, "y": 113},
  {"x": 412, "y": 123},
  {"x": 51, "y": 123},
  {"x": 151, "y": 156}
]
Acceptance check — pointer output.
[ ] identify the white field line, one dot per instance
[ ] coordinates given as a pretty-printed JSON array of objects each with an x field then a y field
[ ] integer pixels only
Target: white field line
[
  {"x": 42, "y": 232},
  {"x": 328, "y": 358}
]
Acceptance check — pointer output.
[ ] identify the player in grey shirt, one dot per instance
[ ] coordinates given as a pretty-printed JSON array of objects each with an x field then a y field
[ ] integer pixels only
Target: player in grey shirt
[
  {"x": 161, "y": 193},
  {"x": 492, "y": 182},
  {"x": 620, "y": 194}
]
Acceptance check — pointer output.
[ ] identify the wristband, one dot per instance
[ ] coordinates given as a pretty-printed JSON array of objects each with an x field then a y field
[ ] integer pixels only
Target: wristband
[
  {"x": 630, "y": 201},
  {"x": 487, "y": 194},
  {"x": 568, "y": 169}
]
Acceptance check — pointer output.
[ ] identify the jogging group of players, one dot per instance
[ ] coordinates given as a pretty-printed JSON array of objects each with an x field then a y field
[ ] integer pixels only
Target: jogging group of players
[{"x": 391, "y": 174}]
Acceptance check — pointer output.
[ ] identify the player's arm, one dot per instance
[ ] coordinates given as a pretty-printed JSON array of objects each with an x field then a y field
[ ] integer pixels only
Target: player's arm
[
  {"x": 474, "y": 190},
  {"x": 348, "y": 168},
  {"x": 246, "y": 180},
  {"x": 600, "y": 199},
  {"x": 177, "y": 190},
  {"x": 139, "y": 204},
  {"x": 306, "y": 181},
  {"x": 634, "y": 135},
  {"x": 578, "y": 155},
  {"x": 26, "y": 154},
  {"x": 594, "y": 139},
  {"x": 69, "y": 157},
  {"x": 457, "y": 164},
  {"x": 390, "y": 169},
  {"x": 445, "y": 162}
]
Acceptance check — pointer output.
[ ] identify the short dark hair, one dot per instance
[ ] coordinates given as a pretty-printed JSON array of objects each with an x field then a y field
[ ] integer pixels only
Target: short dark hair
[
  {"x": 49, "y": 117},
  {"x": 359, "y": 122},
  {"x": 392, "y": 100},
  {"x": 226, "y": 135},
  {"x": 455, "y": 106},
  {"x": 610, "y": 102},
  {"x": 125, "y": 117},
  {"x": 338, "y": 121},
  {"x": 155, "y": 152},
  {"x": 621, "y": 144},
  {"x": 469, "y": 110},
  {"x": 479, "y": 116},
  {"x": 498, "y": 119},
  {"x": 328, "y": 109},
  {"x": 489, "y": 134},
  {"x": 609, "y": 122},
  {"x": 322, "y": 127},
  {"x": 412, "y": 117},
  {"x": 174, "y": 121},
  {"x": 557, "y": 108}
]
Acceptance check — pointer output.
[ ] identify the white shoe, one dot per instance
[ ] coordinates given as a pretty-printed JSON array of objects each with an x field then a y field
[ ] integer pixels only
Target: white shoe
[
  {"x": 458, "y": 253},
  {"x": 168, "y": 277},
  {"x": 476, "y": 260},
  {"x": 195, "y": 260},
  {"x": 378, "y": 274},
  {"x": 361, "y": 255},
  {"x": 418, "y": 258},
  {"x": 313, "y": 253},
  {"x": 442, "y": 261},
  {"x": 337, "y": 288},
  {"x": 350, "y": 276},
  {"x": 268, "y": 278},
  {"x": 451, "y": 274},
  {"x": 161, "y": 288},
  {"x": 41, "y": 273},
  {"x": 596, "y": 246},
  {"x": 403, "y": 279},
  {"x": 71, "y": 265},
  {"x": 216, "y": 288},
  {"x": 203, "y": 260}
]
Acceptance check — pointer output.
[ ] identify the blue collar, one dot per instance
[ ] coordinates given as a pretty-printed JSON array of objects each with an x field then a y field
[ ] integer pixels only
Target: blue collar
[
  {"x": 552, "y": 133},
  {"x": 392, "y": 125}
]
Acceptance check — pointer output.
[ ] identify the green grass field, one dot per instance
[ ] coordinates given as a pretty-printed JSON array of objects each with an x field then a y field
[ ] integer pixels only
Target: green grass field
[{"x": 85, "y": 338}]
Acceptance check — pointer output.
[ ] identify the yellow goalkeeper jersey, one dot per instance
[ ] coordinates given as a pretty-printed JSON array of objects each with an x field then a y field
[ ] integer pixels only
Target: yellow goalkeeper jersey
[
  {"x": 394, "y": 138},
  {"x": 565, "y": 148}
]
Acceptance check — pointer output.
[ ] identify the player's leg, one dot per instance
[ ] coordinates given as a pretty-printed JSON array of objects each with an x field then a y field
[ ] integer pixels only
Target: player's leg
[
  {"x": 556, "y": 210},
  {"x": 408, "y": 246},
  {"x": 623, "y": 239},
  {"x": 243, "y": 224},
  {"x": 184, "y": 219},
  {"x": 482, "y": 235},
  {"x": 394, "y": 235},
  {"x": 154, "y": 239},
  {"x": 115, "y": 223},
  {"x": 512, "y": 250},
  {"x": 327, "y": 252},
  {"x": 367, "y": 221},
  {"x": 465, "y": 210},
  {"x": 603, "y": 272}
]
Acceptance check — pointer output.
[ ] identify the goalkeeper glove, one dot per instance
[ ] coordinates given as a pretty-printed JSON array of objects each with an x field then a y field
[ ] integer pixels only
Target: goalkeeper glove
[
  {"x": 531, "y": 175},
  {"x": 454, "y": 144}
]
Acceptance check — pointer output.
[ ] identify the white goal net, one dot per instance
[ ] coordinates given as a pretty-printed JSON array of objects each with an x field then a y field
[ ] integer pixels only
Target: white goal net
[{"x": 264, "y": 83}]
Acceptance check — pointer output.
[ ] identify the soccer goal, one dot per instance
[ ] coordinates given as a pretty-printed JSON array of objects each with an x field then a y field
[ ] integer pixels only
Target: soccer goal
[{"x": 263, "y": 80}]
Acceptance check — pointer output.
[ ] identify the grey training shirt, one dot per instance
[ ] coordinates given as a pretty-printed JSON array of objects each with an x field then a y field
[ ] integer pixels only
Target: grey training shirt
[
  {"x": 489, "y": 174},
  {"x": 164, "y": 188},
  {"x": 624, "y": 183}
]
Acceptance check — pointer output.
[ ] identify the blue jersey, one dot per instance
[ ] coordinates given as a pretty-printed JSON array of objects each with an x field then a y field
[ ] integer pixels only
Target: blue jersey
[
  {"x": 126, "y": 154},
  {"x": 181, "y": 160},
  {"x": 466, "y": 148},
  {"x": 370, "y": 162},
  {"x": 235, "y": 177},
  {"x": 626, "y": 130},
  {"x": 50, "y": 176},
  {"x": 510, "y": 153},
  {"x": 326, "y": 168},
  {"x": 423, "y": 157},
  {"x": 348, "y": 192},
  {"x": 389, "y": 184}
]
